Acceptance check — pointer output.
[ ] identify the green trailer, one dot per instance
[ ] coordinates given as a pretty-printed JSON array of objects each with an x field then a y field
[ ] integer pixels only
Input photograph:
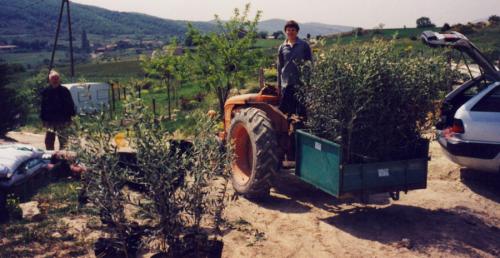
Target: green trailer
[{"x": 319, "y": 163}]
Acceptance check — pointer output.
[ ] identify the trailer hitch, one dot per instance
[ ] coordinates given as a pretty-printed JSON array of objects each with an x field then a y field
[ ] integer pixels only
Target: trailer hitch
[{"x": 394, "y": 195}]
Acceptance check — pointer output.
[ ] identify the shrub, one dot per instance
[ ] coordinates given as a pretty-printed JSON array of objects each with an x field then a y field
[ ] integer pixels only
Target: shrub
[
  {"x": 12, "y": 104},
  {"x": 183, "y": 182},
  {"x": 373, "y": 99}
]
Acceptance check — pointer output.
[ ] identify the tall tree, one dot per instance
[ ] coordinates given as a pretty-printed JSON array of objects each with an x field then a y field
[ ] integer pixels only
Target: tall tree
[
  {"x": 278, "y": 34},
  {"x": 424, "y": 22},
  {"x": 85, "y": 42}
]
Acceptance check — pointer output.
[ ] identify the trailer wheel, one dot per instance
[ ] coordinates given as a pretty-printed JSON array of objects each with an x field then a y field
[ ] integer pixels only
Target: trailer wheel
[{"x": 256, "y": 153}]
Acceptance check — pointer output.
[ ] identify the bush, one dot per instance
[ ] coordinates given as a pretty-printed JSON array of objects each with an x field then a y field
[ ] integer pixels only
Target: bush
[
  {"x": 183, "y": 183},
  {"x": 464, "y": 29},
  {"x": 373, "y": 99},
  {"x": 13, "y": 106},
  {"x": 271, "y": 75}
]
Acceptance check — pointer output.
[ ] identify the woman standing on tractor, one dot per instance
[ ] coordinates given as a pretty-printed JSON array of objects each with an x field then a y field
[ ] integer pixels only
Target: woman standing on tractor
[{"x": 292, "y": 52}]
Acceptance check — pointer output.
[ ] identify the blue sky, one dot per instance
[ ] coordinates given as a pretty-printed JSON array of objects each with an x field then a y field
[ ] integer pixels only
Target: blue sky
[{"x": 364, "y": 13}]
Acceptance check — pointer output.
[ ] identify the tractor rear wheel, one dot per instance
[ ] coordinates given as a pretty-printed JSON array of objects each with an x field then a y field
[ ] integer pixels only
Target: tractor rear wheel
[{"x": 256, "y": 152}]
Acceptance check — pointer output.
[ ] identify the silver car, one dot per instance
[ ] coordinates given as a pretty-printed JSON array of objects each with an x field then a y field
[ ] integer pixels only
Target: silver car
[{"x": 469, "y": 128}]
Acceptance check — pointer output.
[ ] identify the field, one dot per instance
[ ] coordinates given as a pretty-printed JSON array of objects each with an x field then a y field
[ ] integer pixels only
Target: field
[
  {"x": 121, "y": 70},
  {"x": 486, "y": 39}
]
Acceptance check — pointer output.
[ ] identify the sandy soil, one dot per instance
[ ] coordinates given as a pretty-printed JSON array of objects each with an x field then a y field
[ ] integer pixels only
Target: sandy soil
[{"x": 457, "y": 215}]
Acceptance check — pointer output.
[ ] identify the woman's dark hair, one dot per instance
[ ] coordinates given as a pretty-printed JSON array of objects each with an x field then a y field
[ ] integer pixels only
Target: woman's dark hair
[{"x": 291, "y": 24}]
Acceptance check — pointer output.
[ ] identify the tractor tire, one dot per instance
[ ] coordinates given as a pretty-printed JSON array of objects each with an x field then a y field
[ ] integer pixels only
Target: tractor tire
[{"x": 256, "y": 153}]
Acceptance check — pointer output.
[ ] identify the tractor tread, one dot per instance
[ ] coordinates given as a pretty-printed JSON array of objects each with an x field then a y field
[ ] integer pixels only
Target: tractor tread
[{"x": 266, "y": 152}]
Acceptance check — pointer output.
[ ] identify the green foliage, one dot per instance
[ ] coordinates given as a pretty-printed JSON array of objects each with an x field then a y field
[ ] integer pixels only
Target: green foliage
[
  {"x": 425, "y": 22},
  {"x": 12, "y": 105},
  {"x": 32, "y": 90},
  {"x": 494, "y": 19},
  {"x": 167, "y": 65},
  {"x": 373, "y": 99},
  {"x": 185, "y": 187},
  {"x": 263, "y": 34},
  {"x": 279, "y": 35},
  {"x": 225, "y": 60}
]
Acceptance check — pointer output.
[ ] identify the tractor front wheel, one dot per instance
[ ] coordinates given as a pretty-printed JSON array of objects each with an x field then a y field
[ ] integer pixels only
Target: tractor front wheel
[{"x": 256, "y": 152}]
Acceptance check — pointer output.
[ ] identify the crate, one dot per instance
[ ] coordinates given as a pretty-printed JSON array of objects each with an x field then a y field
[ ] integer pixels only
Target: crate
[{"x": 319, "y": 163}]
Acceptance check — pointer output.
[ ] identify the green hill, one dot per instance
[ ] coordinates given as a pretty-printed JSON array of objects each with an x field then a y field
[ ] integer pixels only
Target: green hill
[
  {"x": 486, "y": 38},
  {"x": 312, "y": 28},
  {"x": 34, "y": 19}
]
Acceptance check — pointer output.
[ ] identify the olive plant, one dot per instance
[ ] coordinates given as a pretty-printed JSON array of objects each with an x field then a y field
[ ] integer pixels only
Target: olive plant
[
  {"x": 183, "y": 181},
  {"x": 374, "y": 99}
]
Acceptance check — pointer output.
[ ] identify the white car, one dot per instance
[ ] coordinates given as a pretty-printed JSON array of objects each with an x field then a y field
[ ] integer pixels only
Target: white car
[
  {"x": 18, "y": 164},
  {"x": 469, "y": 128},
  {"x": 473, "y": 139}
]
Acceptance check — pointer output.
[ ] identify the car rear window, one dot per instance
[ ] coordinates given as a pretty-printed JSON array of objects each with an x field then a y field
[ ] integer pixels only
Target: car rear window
[{"x": 490, "y": 103}]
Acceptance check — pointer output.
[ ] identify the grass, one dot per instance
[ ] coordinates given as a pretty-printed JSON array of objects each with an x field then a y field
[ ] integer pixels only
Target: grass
[{"x": 107, "y": 71}]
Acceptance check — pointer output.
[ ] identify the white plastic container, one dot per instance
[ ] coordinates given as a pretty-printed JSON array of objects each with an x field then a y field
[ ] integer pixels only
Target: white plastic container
[{"x": 89, "y": 97}]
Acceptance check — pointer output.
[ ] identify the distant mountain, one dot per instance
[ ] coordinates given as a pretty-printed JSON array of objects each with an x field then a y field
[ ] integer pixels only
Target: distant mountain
[
  {"x": 312, "y": 28},
  {"x": 39, "y": 18}
]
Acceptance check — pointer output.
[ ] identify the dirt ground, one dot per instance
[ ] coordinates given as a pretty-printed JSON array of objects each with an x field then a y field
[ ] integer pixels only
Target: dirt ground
[
  {"x": 457, "y": 215},
  {"x": 452, "y": 217}
]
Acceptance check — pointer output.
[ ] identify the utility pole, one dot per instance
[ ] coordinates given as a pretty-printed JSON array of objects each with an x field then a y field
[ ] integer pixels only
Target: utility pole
[{"x": 63, "y": 3}]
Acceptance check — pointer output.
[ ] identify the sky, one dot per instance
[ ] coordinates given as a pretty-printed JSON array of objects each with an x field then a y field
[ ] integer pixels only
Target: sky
[{"x": 358, "y": 13}]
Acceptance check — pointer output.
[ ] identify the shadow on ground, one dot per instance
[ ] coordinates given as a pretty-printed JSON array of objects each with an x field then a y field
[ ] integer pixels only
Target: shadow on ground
[
  {"x": 486, "y": 184},
  {"x": 292, "y": 195},
  {"x": 456, "y": 230}
]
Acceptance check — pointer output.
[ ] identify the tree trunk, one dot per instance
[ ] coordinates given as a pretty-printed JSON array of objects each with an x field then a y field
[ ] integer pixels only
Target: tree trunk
[
  {"x": 222, "y": 101},
  {"x": 168, "y": 98}
]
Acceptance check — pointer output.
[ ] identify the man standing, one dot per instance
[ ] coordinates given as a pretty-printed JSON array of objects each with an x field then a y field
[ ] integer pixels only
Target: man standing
[
  {"x": 56, "y": 112},
  {"x": 292, "y": 52}
]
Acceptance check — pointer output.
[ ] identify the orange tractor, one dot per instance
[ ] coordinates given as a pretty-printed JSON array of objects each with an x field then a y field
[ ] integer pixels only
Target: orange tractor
[{"x": 262, "y": 137}]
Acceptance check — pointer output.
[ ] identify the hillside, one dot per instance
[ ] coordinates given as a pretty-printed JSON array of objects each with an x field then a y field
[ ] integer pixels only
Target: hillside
[
  {"x": 39, "y": 21},
  {"x": 312, "y": 28}
]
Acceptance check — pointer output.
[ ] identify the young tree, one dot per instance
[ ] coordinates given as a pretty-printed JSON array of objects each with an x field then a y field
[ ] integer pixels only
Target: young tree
[
  {"x": 165, "y": 65},
  {"x": 224, "y": 60}
]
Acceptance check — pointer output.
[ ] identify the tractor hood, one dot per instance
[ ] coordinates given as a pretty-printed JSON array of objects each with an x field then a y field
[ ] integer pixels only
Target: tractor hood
[{"x": 461, "y": 43}]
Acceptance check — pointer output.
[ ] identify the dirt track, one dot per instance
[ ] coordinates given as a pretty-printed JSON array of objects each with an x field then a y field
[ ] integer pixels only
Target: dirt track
[{"x": 452, "y": 217}]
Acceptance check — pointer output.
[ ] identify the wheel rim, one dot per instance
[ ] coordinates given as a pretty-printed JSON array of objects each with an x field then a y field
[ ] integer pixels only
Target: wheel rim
[{"x": 243, "y": 160}]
